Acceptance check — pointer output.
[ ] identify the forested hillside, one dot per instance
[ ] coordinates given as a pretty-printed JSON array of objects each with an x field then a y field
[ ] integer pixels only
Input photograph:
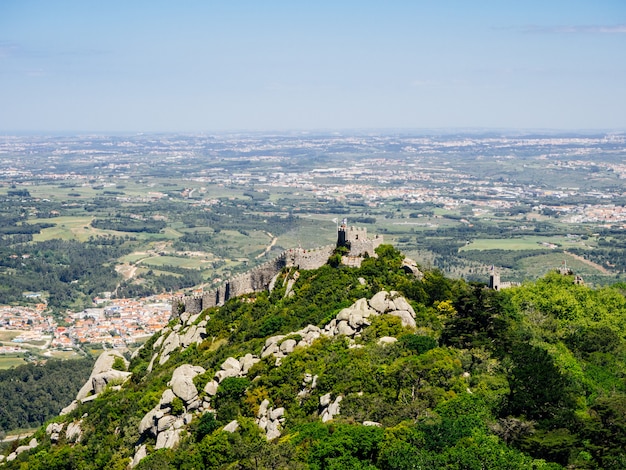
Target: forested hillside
[
  {"x": 468, "y": 378},
  {"x": 33, "y": 393}
]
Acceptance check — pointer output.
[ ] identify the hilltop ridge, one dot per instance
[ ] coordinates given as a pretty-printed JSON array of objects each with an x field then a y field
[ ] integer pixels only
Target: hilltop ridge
[{"x": 362, "y": 367}]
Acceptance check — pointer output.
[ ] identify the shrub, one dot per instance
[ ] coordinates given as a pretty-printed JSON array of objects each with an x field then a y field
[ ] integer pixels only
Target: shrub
[
  {"x": 119, "y": 364},
  {"x": 417, "y": 343}
]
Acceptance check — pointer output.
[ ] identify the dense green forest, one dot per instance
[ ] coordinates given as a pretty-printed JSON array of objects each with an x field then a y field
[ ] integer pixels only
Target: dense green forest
[
  {"x": 33, "y": 393},
  {"x": 530, "y": 377}
]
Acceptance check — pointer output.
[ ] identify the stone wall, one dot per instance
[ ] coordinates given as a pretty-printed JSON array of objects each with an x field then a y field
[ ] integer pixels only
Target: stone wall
[{"x": 260, "y": 278}]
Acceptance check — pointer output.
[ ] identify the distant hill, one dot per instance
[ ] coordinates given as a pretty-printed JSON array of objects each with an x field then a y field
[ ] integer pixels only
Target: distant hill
[{"x": 361, "y": 368}]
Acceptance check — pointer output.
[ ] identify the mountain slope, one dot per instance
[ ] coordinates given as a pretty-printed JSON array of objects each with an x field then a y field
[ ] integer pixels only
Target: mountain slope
[{"x": 365, "y": 367}]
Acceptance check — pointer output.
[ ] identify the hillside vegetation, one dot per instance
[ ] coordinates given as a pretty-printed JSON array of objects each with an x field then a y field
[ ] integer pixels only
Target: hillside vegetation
[{"x": 531, "y": 377}]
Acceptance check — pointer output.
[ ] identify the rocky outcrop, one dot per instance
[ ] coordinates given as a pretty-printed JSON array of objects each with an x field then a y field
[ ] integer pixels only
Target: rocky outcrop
[
  {"x": 270, "y": 420},
  {"x": 410, "y": 267},
  {"x": 162, "y": 424},
  {"x": 102, "y": 375},
  {"x": 182, "y": 336},
  {"x": 329, "y": 409},
  {"x": 74, "y": 432},
  {"x": 182, "y": 382},
  {"x": 31, "y": 445},
  {"x": 53, "y": 430}
]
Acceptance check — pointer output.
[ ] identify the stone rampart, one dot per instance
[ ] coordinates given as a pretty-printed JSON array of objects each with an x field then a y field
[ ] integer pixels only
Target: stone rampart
[{"x": 260, "y": 278}]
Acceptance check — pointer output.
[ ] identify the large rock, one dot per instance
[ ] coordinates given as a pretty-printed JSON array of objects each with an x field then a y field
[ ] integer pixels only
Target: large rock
[
  {"x": 165, "y": 423},
  {"x": 182, "y": 382},
  {"x": 247, "y": 362},
  {"x": 188, "y": 336},
  {"x": 166, "y": 398},
  {"x": 379, "y": 302},
  {"x": 220, "y": 375},
  {"x": 69, "y": 408},
  {"x": 148, "y": 422},
  {"x": 288, "y": 346},
  {"x": 344, "y": 329},
  {"x": 171, "y": 343},
  {"x": 168, "y": 439},
  {"x": 270, "y": 349},
  {"x": 401, "y": 303},
  {"x": 344, "y": 314},
  {"x": 211, "y": 387},
  {"x": 263, "y": 408},
  {"x": 405, "y": 316},
  {"x": 104, "y": 364},
  {"x": 356, "y": 320},
  {"x": 140, "y": 454},
  {"x": 384, "y": 340},
  {"x": 74, "y": 432},
  {"x": 151, "y": 364},
  {"x": 231, "y": 363},
  {"x": 157, "y": 344},
  {"x": 410, "y": 267},
  {"x": 232, "y": 426},
  {"x": 100, "y": 381},
  {"x": 276, "y": 413},
  {"x": 272, "y": 430},
  {"x": 332, "y": 410},
  {"x": 325, "y": 400}
]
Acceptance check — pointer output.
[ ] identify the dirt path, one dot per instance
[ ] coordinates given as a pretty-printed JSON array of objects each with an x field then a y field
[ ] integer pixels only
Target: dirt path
[
  {"x": 268, "y": 247},
  {"x": 600, "y": 268}
]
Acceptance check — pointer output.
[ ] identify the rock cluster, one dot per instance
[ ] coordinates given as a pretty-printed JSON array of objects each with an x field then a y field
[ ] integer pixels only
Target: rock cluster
[
  {"x": 162, "y": 424},
  {"x": 309, "y": 383},
  {"x": 328, "y": 407},
  {"x": 183, "y": 335},
  {"x": 101, "y": 376},
  {"x": 281, "y": 345},
  {"x": 349, "y": 322},
  {"x": 270, "y": 420},
  {"x": 31, "y": 445},
  {"x": 73, "y": 433}
]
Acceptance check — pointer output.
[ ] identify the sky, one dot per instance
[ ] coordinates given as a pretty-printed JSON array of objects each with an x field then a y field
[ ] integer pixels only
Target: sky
[{"x": 236, "y": 65}]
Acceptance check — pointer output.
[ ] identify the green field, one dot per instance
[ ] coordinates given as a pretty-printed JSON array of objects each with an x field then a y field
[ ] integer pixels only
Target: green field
[
  {"x": 537, "y": 266},
  {"x": 67, "y": 228},
  {"x": 521, "y": 243},
  {"x": 9, "y": 360},
  {"x": 189, "y": 263}
]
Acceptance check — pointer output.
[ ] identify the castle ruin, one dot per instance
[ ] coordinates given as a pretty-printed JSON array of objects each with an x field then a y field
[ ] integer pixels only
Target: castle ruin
[
  {"x": 496, "y": 284},
  {"x": 263, "y": 277}
]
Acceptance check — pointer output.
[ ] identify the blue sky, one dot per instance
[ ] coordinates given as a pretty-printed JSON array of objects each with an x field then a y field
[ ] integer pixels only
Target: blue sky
[{"x": 202, "y": 66}]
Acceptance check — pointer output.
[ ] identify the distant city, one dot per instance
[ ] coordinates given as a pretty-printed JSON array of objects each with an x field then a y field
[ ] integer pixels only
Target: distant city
[{"x": 187, "y": 212}]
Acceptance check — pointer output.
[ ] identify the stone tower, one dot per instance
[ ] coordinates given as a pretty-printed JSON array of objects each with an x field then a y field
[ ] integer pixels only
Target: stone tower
[
  {"x": 494, "y": 278},
  {"x": 355, "y": 239}
]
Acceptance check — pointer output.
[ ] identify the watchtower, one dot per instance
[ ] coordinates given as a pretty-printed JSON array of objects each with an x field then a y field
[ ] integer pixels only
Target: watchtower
[{"x": 494, "y": 278}]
